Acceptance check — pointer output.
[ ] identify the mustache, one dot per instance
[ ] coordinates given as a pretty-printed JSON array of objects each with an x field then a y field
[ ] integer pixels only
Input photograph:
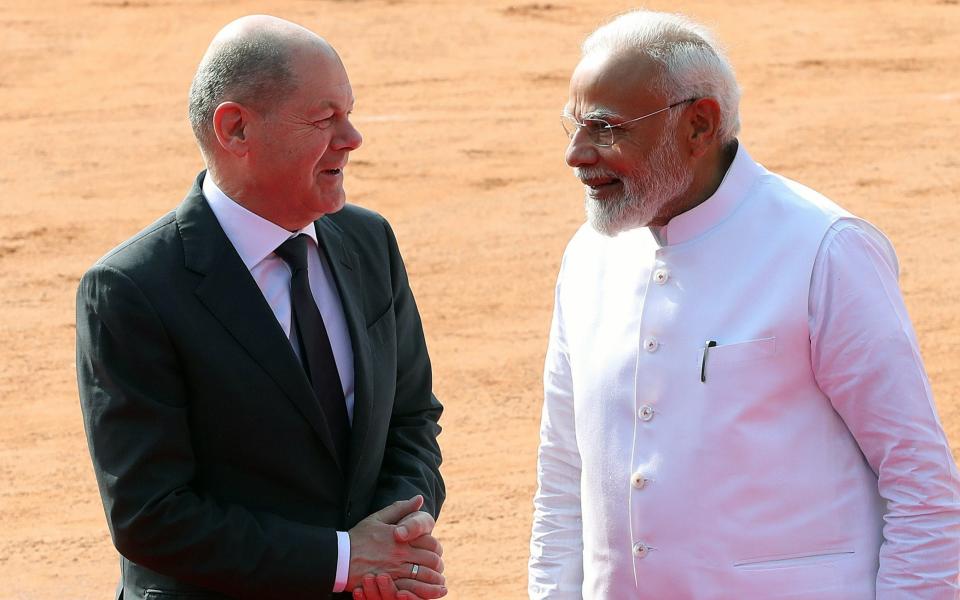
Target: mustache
[{"x": 583, "y": 173}]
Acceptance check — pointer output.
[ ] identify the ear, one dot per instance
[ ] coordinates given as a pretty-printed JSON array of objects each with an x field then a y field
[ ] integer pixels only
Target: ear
[
  {"x": 704, "y": 120},
  {"x": 230, "y": 122}
]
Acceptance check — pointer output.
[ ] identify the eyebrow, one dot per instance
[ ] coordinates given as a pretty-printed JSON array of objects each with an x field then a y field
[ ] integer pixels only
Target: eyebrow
[
  {"x": 334, "y": 106},
  {"x": 602, "y": 113},
  {"x": 597, "y": 113}
]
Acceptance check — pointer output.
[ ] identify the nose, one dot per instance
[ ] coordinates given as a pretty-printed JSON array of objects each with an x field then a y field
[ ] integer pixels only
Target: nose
[
  {"x": 580, "y": 151},
  {"x": 348, "y": 138}
]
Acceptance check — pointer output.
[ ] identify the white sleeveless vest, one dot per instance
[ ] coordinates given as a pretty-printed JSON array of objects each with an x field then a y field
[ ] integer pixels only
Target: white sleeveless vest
[{"x": 714, "y": 478}]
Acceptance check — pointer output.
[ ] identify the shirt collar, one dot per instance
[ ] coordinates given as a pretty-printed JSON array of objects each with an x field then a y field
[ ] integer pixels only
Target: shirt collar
[
  {"x": 733, "y": 189},
  {"x": 254, "y": 237}
]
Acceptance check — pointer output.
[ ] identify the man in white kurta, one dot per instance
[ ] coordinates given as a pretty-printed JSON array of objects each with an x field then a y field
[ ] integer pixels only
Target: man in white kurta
[{"x": 735, "y": 403}]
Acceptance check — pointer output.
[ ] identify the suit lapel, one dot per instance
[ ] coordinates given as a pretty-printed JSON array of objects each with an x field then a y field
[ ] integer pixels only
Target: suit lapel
[
  {"x": 232, "y": 296},
  {"x": 345, "y": 266}
]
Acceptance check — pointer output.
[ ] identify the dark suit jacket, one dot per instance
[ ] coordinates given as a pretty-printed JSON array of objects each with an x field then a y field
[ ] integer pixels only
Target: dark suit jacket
[{"x": 214, "y": 464}]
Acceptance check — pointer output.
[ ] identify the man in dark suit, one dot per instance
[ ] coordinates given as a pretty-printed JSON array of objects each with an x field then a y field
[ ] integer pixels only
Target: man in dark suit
[{"x": 254, "y": 380}]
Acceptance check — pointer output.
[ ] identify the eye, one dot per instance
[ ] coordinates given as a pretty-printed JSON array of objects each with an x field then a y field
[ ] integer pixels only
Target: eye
[
  {"x": 595, "y": 125},
  {"x": 323, "y": 123}
]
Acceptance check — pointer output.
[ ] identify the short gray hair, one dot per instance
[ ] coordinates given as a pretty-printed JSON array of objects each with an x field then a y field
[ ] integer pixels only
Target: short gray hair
[
  {"x": 693, "y": 64},
  {"x": 254, "y": 70}
]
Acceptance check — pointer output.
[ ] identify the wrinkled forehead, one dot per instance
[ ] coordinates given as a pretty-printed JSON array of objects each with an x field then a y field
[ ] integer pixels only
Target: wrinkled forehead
[{"x": 612, "y": 84}]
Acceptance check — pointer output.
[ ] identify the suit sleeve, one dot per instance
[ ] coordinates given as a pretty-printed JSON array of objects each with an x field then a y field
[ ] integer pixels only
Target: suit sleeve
[
  {"x": 866, "y": 360},
  {"x": 135, "y": 413},
  {"x": 411, "y": 463}
]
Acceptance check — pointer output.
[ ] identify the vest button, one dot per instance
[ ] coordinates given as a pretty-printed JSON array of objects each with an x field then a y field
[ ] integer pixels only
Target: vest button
[
  {"x": 640, "y": 550},
  {"x": 645, "y": 412},
  {"x": 651, "y": 344},
  {"x": 661, "y": 276}
]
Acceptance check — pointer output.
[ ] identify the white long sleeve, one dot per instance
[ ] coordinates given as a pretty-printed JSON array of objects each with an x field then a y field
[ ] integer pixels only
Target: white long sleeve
[
  {"x": 556, "y": 546},
  {"x": 866, "y": 359}
]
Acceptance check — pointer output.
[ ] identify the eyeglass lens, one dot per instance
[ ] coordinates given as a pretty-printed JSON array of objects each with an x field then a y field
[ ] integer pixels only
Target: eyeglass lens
[{"x": 598, "y": 131}]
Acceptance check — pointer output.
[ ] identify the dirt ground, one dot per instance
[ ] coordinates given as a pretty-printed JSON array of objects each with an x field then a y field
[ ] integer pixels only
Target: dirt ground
[{"x": 463, "y": 152}]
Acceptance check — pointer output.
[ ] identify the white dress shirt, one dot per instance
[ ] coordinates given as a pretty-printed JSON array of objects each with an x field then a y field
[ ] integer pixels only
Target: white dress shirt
[
  {"x": 255, "y": 240},
  {"x": 642, "y": 465}
]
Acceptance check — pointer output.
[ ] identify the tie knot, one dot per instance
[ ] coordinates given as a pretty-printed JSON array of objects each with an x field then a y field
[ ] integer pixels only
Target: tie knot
[{"x": 294, "y": 252}]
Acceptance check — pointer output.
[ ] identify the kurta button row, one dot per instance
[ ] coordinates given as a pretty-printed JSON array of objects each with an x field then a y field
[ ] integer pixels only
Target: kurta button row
[{"x": 651, "y": 344}]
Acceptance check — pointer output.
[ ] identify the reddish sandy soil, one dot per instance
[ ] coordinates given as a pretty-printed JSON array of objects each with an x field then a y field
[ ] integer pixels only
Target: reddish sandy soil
[{"x": 463, "y": 153}]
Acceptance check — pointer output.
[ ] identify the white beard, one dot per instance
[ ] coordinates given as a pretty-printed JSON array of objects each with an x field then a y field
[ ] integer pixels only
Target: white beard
[{"x": 645, "y": 190}]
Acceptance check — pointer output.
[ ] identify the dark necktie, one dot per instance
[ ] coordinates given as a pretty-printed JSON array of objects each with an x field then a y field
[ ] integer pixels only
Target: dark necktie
[{"x": 315, "y": 350}]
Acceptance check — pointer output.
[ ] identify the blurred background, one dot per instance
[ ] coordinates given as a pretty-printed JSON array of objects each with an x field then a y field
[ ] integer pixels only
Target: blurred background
[{"x": 463, "y": 153}]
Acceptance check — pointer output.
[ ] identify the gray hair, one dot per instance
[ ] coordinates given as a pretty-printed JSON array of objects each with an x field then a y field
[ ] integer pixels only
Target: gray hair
[
  {"x": 252, "y": 70},
  {"x": 693, "y": 64}
]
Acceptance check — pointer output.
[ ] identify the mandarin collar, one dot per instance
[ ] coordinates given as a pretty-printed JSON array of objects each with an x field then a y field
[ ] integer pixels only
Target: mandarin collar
[{"x": 737, "y": 181}]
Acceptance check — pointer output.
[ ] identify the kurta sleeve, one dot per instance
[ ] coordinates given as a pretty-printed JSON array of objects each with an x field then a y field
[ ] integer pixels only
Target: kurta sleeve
[
  {"x": 556, "y": 545},
  {"x": 866, "y": 359}
]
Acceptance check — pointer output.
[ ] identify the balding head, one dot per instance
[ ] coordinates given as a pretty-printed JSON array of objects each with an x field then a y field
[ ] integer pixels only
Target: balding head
[{"x": 250, "y": 61}]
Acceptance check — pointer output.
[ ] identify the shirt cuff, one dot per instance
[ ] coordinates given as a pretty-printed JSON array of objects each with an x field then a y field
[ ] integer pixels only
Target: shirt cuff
[{"x": 343, "y": 561}]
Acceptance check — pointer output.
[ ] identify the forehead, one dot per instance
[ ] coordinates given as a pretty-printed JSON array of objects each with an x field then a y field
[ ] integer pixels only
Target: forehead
[
  {"x": 322, "y": 81},
  {"x": 612, "y": 83}
]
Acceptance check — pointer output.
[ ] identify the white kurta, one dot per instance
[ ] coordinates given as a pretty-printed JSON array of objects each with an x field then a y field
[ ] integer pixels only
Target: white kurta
[{"x": 802, "y": 458}]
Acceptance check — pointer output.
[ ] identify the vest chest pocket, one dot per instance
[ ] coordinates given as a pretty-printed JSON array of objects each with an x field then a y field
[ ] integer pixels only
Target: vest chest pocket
[
  {"x": 714, "y": 360},
  {"x": 725, "y": 354}
]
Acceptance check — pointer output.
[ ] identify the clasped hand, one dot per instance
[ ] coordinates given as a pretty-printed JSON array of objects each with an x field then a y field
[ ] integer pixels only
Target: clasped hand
[{"x": 385, "y": 547}]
